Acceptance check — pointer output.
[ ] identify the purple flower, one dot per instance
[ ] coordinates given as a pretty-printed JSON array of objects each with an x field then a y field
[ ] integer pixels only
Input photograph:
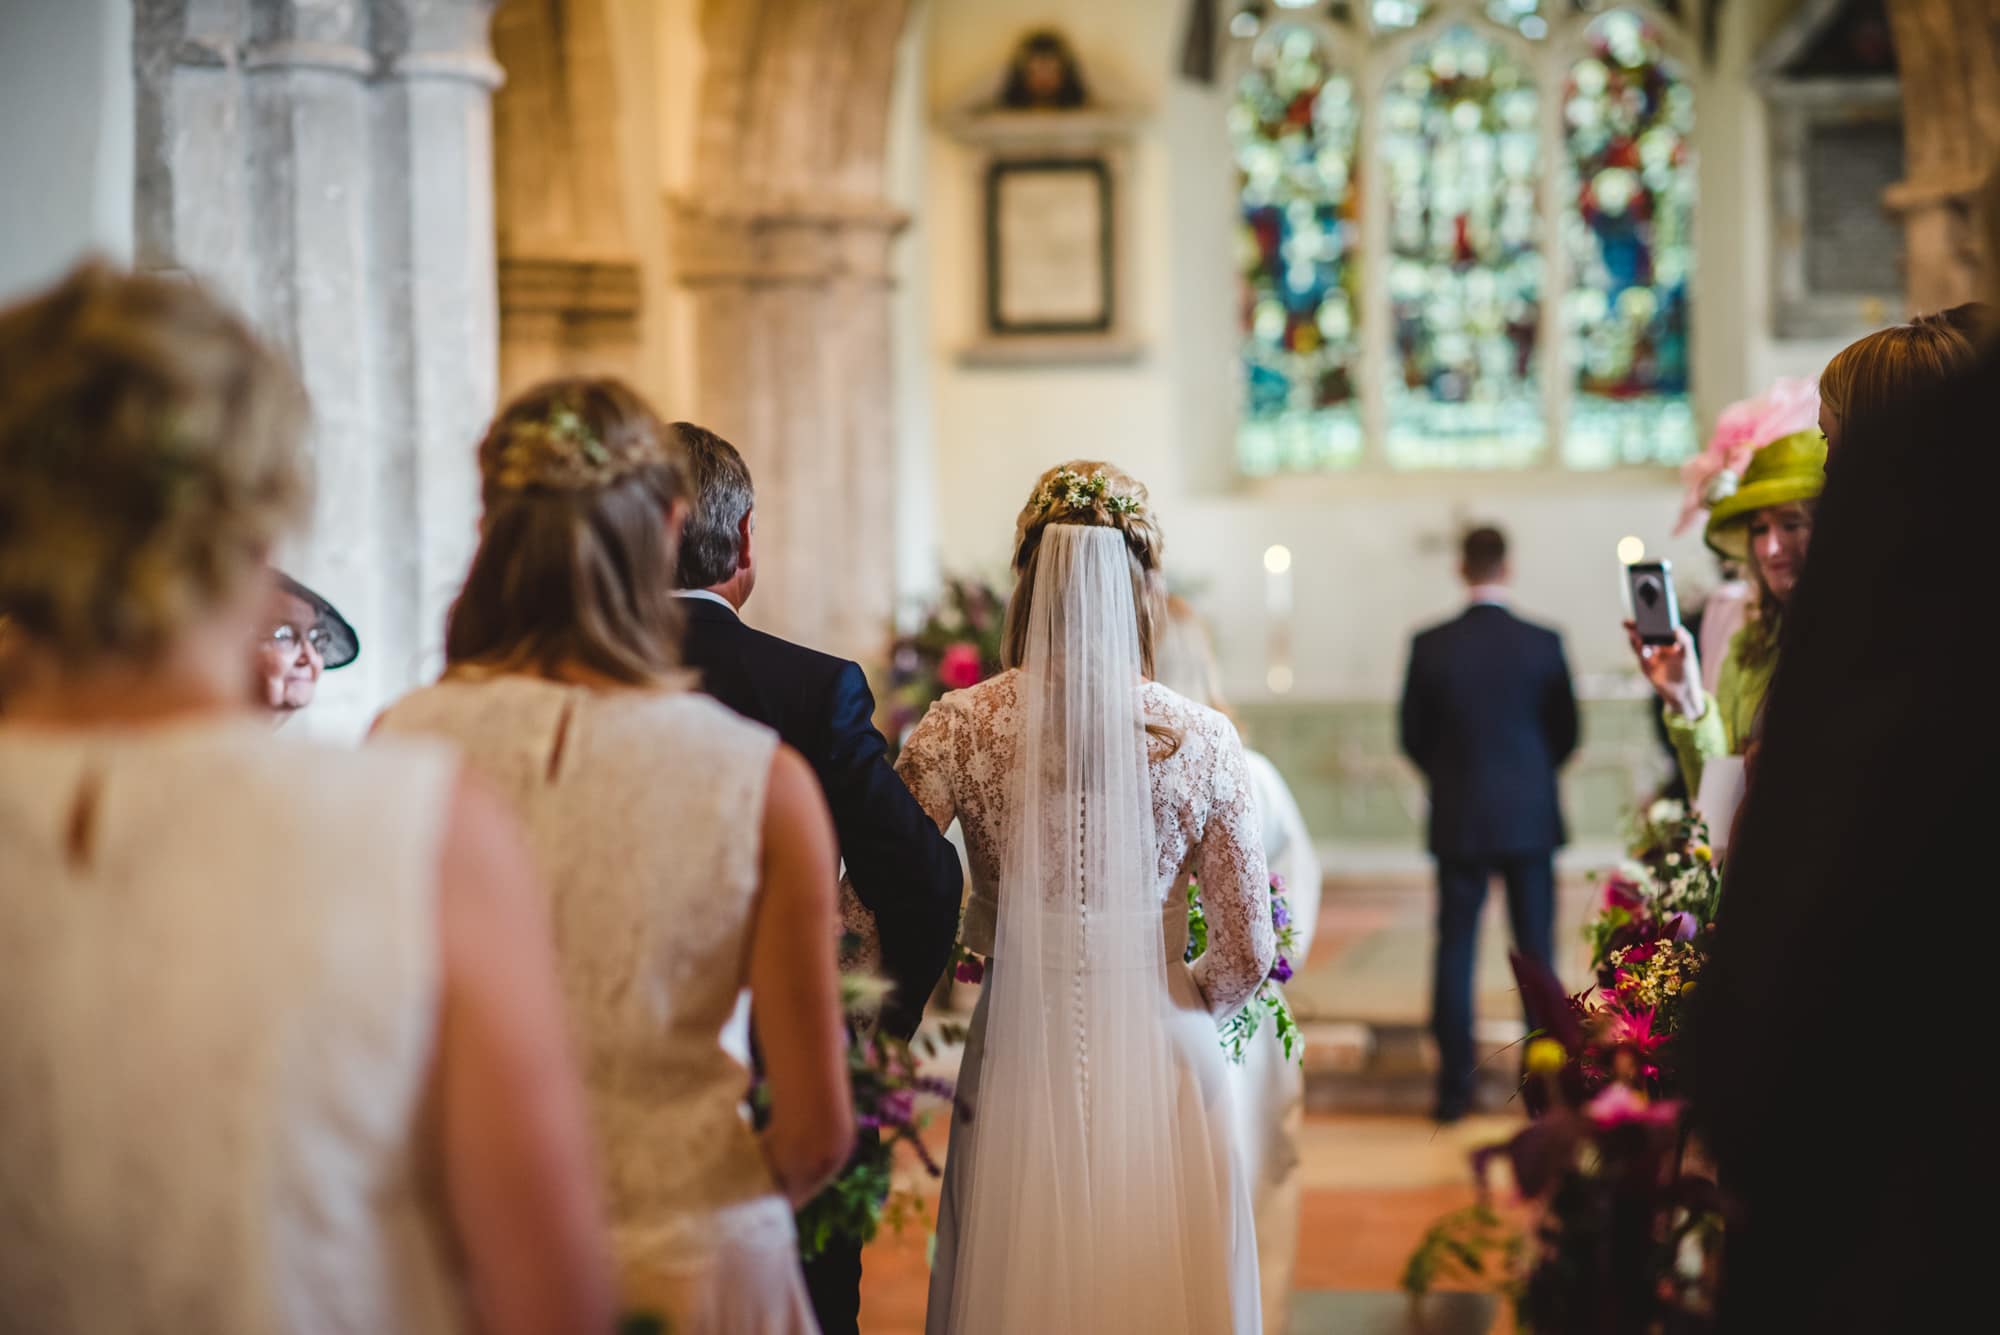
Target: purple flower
[
  {"x": 1682, "y": 927},
  {"x": 898, "y": 1107},
  {"x": 1281, "y": 913},
  {"x": 1281, "y": 969}
]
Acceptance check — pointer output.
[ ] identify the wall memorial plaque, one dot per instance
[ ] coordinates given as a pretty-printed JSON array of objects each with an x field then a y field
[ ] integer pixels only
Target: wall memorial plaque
[
  {"x": 1049, "y": 153},
  {"x": 1049, "y": 247}
]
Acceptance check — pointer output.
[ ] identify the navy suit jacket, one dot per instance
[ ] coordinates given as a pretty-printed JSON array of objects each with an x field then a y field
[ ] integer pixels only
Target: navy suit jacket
[
  {"x": 906, "y": 872},
  {"x": 1489, "y": 716}
]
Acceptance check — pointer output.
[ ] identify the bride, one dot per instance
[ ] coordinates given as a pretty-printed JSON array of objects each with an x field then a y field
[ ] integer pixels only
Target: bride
[{"x": 1091, "y": 1186}]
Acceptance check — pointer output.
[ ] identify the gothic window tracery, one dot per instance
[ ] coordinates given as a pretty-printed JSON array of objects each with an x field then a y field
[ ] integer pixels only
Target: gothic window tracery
[{"x": 1464, "y": 234}]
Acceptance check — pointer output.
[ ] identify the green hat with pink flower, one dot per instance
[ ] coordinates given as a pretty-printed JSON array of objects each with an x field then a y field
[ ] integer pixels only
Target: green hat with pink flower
[{"x": 1765, "y": 451}]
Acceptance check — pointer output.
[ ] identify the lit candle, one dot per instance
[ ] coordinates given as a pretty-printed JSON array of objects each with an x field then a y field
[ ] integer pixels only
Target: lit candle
[{"x": 1278, "y": 611}]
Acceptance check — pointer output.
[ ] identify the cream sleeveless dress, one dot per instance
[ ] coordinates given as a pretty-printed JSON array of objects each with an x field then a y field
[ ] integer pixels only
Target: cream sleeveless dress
[
  {"x": 645, "y": 810},
  {"x": 218, "y": 1003}
]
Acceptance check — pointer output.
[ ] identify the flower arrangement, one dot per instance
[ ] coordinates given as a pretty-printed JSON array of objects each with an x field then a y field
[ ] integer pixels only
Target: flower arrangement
[
  {"x": 890, "y": 1097},
  {"x": 956, "y": 646},
  {"x": 1240, "y": 1028},
  {"x": 1622, "y": 1235}
]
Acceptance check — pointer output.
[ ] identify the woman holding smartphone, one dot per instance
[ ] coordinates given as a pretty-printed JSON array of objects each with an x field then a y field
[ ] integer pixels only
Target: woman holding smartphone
[{"x": 1765, "y": 523}]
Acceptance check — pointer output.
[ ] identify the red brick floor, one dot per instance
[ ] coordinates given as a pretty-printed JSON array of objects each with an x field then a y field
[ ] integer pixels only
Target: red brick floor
[{"x": 1373, "y": 1186}]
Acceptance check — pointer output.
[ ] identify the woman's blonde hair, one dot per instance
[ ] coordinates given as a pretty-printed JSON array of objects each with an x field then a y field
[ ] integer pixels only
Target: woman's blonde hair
[
  {"x": 1893, "y": 368},
  {"x": 150, "y": 455},
  {"x": 576, "y": 560}
]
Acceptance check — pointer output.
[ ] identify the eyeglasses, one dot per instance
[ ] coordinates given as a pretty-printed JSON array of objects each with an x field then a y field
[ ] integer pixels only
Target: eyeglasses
[{"x": 287, "y": 636}]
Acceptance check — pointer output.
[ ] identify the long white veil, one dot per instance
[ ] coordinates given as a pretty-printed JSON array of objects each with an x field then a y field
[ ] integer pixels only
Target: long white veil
[{"x": 1091, "y": 1198}]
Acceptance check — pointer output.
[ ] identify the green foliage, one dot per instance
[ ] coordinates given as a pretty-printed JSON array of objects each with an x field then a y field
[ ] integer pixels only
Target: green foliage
[
  {"x": 852, "y": 1204},
  {"x": 1472, "y": 1244}
]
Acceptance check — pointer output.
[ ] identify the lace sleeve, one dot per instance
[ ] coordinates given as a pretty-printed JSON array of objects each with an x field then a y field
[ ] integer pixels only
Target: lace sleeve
[
  {"x": 924, "y": 765},
  {"x": 1235, "y": 887}
]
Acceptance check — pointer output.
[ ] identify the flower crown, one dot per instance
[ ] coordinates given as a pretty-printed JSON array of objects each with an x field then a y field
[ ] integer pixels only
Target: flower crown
[
  {"x": 1067, "y": 487},
  {"x": 560, "y": 452}
]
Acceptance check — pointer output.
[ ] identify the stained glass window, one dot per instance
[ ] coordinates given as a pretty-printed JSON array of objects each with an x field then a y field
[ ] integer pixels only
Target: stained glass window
[
  {"x": 1528, "y": 171},
  {"x": 1293, "y": 125},
  {"x": 1523, "y": 16},
  {"x": 1395, "y": 15},
  {"x": 1460, "y": 149},
  {"x": 1628, "y": 116}
]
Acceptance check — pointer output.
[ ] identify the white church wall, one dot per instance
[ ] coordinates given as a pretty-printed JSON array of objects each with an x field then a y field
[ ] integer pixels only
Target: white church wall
[
  {"x": 1371, "y": 552},
  {"x": 66, "y": 98}
]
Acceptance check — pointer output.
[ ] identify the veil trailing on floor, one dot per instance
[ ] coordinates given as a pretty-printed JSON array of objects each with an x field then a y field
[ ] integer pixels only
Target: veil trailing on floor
[{"x": 1085, "y": 1211}]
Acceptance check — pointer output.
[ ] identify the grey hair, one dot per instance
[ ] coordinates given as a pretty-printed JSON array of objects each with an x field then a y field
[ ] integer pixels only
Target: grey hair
[{"x": 721, "y": 495}]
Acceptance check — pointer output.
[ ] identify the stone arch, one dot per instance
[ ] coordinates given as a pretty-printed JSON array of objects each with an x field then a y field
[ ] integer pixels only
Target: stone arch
[
  {"x": 782, "y": 242},
  {"x": 570, "y": 281}
]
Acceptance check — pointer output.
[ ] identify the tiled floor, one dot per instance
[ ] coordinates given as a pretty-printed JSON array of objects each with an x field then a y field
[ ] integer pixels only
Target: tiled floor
[{"x": 1373, "y": 1185}]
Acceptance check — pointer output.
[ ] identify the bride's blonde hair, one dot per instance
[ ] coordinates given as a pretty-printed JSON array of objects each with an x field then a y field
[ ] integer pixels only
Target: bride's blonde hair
[{"x": 1097, "y": 495}]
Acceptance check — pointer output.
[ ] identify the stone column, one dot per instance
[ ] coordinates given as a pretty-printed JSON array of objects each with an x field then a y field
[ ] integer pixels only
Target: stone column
[
  {"x": 791, "y": 312},
  {"x": 328, "y": 166},
  {"x": 570, "y": 282},
  {"x": 782, "y": 239},
  {"x": 860, "y": 296},
  {"x": 1948, "y": 54},
  {"x": 438, "y": 356},
  {"x": 306, "y": 142}
]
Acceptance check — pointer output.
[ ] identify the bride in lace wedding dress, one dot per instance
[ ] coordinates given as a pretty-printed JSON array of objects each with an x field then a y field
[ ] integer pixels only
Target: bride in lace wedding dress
[{"x": 1092, "y": 1185}]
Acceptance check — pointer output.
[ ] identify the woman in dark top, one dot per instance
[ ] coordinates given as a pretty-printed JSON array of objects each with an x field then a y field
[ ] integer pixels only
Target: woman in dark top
[{"x": 1836, "y": 1061}]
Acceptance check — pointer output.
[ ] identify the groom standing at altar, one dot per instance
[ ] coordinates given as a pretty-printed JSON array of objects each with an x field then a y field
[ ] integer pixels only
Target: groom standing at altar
[
  {"x": 905, "y": 872},
  {"x": 1488, "y": 715}
]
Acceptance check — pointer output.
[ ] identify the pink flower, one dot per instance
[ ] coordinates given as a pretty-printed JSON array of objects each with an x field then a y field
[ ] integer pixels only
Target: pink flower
[
  {"x": 1634, "y": 1028},
  {"x": 971, "y": 969},
  {"x": 959, "y": 667},
  {"x": 897, "y": 1107},
  {"x": 1789, "y": 406},
  {"x": 1620, "y": 893},
  {"x": 1621, "y": 1105}
]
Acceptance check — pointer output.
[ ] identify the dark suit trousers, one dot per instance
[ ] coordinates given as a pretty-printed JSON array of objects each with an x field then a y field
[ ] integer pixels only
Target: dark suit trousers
[
  {"x": 1531, "y": 906},
  {"x": 833, "y": 1282}
]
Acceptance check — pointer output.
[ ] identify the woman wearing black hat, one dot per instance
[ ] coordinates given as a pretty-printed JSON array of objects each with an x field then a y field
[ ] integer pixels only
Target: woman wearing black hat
[{"x": 305, "y": 637}]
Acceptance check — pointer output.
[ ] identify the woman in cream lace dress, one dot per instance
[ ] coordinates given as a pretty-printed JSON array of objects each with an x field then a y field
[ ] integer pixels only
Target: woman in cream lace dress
[
  {"x": 687, "y": 853},
  {"x": 1094, "y": 1184},
  {"x": 281, "y": 1044}
]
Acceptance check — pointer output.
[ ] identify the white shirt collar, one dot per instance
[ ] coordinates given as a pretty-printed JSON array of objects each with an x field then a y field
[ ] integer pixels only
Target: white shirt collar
[
  {"x": 1487, "y": 595},
  {"x": 709, "y": 594}
]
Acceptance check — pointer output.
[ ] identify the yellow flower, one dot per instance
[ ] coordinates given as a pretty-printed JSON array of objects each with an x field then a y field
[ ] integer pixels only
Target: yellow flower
[
  {"x": 1703, "y": 853},
  {"x": 1545, "y": 1057}
]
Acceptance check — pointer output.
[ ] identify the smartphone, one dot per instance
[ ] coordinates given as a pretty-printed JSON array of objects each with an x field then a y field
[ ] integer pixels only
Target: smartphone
[{"x": 1654, "y": 611}]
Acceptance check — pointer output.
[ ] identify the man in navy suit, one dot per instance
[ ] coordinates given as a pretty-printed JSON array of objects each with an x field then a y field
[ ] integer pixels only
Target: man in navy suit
[
  {"x": 1488, "y": 715},
  {"x": 903, "y": 870}
]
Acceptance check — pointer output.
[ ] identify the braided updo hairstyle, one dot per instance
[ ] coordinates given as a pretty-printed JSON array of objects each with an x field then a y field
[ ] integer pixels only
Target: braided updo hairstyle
[
  {"x": 1101, "y": 495},
  {"x": 576, "y": 559},
  {"x": 150, "y": 455}
]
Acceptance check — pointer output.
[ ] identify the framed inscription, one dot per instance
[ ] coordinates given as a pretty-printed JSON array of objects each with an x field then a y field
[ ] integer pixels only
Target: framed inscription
[{"x": 1049, "y": 246}]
